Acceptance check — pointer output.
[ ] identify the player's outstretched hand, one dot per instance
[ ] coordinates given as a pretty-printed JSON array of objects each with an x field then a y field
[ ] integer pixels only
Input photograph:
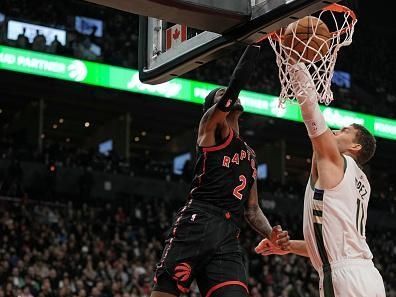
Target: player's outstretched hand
[
  {"x": 278, "y": 243},
  {"x": 266, "y": 248}
]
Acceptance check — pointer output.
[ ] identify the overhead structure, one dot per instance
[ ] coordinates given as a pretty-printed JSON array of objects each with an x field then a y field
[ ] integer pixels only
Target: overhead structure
[
  {"x": 207, "y": 15},
  {"x": 177, "y": 36}
]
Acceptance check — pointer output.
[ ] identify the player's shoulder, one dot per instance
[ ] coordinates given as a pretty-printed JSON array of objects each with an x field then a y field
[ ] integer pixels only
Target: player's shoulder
[
  {"x": 349, "y": 161},
  {"x": 355, "y": 169},
  {"x": 247, "y": 146},
  {"x": 252, "y": 152}
]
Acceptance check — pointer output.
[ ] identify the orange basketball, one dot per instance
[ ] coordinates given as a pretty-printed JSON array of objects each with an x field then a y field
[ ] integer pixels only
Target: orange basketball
[{"x": 310, "y": 34}]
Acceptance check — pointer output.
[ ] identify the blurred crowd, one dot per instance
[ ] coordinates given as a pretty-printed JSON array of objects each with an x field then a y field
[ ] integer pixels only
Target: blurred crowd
[
  {"x": 56, "y": 156},
  {"x": 372, "y": 69},
  {"x": 117, "y": 46},
  {"x": 110, "y": 250},
  {"x": 61, "y": 155}
]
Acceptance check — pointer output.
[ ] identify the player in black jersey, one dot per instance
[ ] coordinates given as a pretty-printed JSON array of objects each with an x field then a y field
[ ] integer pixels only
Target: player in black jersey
[{"x": 203, "y": 242}]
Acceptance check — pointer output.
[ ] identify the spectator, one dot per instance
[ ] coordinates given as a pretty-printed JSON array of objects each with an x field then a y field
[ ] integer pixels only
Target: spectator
[
  {"x": 39, "y": 42},
  {"x": 84, "y": 49},
  {"x": 22, "y": 41},
  {"x": 55, "y": 46}
]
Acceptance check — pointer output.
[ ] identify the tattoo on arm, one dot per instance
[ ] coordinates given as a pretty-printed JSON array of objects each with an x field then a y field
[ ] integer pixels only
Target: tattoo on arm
[{"x": 258, "y": 221}]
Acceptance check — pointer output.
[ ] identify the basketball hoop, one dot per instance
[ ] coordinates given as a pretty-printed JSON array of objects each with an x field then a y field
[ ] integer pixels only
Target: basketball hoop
[{"x": 341, "y": 22}]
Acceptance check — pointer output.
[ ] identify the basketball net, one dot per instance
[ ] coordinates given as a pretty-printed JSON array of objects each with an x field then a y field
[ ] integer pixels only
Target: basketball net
[{"x": 322, "y": 69}]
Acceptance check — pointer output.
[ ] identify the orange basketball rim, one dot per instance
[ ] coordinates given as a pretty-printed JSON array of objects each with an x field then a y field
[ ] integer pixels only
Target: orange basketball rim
[{"x": 341, "y": 21}]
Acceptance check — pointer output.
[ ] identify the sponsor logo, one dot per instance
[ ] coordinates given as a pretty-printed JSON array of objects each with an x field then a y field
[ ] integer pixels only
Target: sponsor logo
[
  {"x": 182, "y": 272},
  {"x": 276, "y": 109},
  {"x": 77, "y": 70},
  {"x": 168, "y": 89}
]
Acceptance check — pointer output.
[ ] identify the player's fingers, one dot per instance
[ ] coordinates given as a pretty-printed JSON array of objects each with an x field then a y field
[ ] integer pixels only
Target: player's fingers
[
  {"x": 267, "y": 251},
  {"x": 283, "y": 237},
  {"x": 277, "y": 228},
  {"x": 283, "y": 240},
  {"x": 260, "y": 251},
  {"x": 262, "y": 245},
  {"x": 285, "y": 246},
  {"x": 282, "y": 234},
  {"x": 272, "y": 251}
]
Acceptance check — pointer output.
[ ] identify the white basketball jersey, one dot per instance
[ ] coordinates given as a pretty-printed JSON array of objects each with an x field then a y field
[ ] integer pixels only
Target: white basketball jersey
[{"x": 335, "y": 219}]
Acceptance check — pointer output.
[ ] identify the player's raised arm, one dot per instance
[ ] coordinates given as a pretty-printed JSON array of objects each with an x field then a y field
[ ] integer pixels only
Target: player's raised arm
[
  {"x": 216, "y": 114},
  {"x": 259, "y": 222},
  {"x": 329, "y": 159}
]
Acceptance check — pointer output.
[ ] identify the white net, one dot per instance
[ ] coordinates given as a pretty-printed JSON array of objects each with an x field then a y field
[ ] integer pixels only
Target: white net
[{"x": 317, "y": 51}]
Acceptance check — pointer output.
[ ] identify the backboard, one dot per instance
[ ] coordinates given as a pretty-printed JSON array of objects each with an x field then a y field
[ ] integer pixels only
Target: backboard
[{"x": 168, "y": 50}]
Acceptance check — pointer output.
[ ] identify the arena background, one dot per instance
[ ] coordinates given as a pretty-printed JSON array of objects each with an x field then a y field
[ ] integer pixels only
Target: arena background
[{"x": 93, "y": 169}]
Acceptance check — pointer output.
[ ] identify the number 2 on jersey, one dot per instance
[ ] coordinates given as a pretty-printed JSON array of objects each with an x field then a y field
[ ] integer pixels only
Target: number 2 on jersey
[{"x": 239, "y": 188}]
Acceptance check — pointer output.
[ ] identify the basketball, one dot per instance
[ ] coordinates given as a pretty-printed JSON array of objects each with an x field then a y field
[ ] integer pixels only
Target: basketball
[{"x": 309, "y": 38}]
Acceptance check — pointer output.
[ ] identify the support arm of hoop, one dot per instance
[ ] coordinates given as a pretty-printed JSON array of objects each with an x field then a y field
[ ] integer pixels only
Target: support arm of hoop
[{"x": 307, "y": 96}]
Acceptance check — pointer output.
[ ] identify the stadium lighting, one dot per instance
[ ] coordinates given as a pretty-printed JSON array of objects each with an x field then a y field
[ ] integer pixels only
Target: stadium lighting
[{"x": 186, "y": 90}]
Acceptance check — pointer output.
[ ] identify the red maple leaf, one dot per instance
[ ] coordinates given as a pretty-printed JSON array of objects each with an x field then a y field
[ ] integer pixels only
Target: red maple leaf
[{"x": 176, "y": 34}]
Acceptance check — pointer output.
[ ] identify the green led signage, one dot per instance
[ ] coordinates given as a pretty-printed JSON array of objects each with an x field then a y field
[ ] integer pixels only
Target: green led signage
[{"x": 180, "y": 89}]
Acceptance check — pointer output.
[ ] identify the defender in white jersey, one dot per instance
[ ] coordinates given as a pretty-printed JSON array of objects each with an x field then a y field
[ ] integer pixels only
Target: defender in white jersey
[{"x": 335, "y": 203}]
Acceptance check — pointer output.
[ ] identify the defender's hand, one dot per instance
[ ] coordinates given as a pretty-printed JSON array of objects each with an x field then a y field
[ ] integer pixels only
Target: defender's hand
[
  {"x": 266, "y": 248},
  {"x": 280, "y": 238}
]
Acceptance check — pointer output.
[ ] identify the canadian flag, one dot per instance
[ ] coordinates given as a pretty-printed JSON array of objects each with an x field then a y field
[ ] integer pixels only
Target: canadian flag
[{"x": 175, "y": 35}]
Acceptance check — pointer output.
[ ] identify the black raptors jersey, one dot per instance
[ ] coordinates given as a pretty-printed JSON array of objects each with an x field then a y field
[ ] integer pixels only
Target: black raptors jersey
[{"x": 224, "y": 174}]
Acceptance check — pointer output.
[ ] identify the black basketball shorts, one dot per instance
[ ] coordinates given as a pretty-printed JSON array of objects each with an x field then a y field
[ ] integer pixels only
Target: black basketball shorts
[{"x": 203, "y": 245}]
